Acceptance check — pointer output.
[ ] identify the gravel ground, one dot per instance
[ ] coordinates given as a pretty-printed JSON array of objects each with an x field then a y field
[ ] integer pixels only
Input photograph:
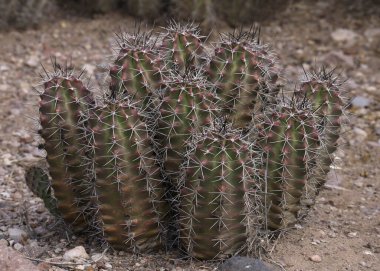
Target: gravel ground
[{"x": 342, "y": 231}]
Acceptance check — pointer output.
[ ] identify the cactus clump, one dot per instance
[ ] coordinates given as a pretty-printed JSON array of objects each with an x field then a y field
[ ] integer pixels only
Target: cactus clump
[{"x": 190, "y": 145}]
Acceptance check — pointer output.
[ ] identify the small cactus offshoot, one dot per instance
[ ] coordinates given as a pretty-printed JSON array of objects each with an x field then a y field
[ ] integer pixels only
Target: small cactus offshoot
[{"x": 191, "y": 145}]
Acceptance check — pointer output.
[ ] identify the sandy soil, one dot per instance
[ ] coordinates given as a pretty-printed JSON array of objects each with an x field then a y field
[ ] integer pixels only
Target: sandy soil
[{"x": 343, "y": 228}]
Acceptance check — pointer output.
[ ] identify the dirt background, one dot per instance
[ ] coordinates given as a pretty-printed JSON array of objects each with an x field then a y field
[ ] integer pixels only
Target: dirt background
[{"x": 342, "y": 231}]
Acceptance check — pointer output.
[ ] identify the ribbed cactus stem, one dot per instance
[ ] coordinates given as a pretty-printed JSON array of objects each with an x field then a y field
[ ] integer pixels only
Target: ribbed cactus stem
[
  {"x": 325, "y": 94},
  {"x": 244, "y": 74},
  {"x": 290, "y": 140},
  {"x": 137, "y": 69},
  {"x": 128, "y": 187},
  {"x": 63, "y": 112},
  {"x": 187, "y": 106},
  {"x": 217, "y": 175},
  {"x": 39, "y": 183},
  {"x": 182, "y": 46}
]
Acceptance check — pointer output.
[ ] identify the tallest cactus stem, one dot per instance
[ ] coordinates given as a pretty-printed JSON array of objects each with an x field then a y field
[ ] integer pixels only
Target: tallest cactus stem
[
  {"x": 182, "y": 46},
  {"x": 243, "y": 72},
  {"x": 186, "y": 107},
  {"x": 137, "y": 70}
]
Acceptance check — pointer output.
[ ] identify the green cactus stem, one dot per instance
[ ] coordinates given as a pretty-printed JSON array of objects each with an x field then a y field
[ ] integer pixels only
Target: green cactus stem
[
  {"x": 289, "y": 139},
  {"x": 63, "y": 109},
  {"x": 186, "y": 107},
  {"x": 128, "y": 182},
  {"x": 182, "y": 47},
  {"x": 39, "y": 183},
  {"x": 323, "y": 89},
  {"x": 136, "y": 71},
  {"x": 217, "y": 178},
  {"x": 244, "y": 74}
]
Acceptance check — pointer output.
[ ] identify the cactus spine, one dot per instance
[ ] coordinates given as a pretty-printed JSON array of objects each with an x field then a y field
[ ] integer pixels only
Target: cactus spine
[
  {"x": 182, "y": 47},
  {"x": 63, "y": 109},
  {"x": 136, "y": 71}
]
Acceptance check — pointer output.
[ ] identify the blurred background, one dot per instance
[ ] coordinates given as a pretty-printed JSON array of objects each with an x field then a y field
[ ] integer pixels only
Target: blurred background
[
  {"x": 343, "y": 227},
  {"x": 23, "y": 14}
]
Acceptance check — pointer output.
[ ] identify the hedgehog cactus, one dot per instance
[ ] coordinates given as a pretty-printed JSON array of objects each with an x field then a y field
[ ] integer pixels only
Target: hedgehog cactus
[{"x": 188, "y": 144}]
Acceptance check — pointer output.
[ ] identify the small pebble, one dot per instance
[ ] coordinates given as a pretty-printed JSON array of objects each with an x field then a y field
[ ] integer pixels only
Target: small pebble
[
  {"x": 18, "y": 247},
  {"x": 33, "y": 61},
  {"x": 360, "y": 101},
  {"x": 315, "y": 258},
  {"x": 77, "y": 253},
  {"x": 18, "y": 235},
  {"x": 238, "y": 263},
  {"x": 361, "y": 135}
]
